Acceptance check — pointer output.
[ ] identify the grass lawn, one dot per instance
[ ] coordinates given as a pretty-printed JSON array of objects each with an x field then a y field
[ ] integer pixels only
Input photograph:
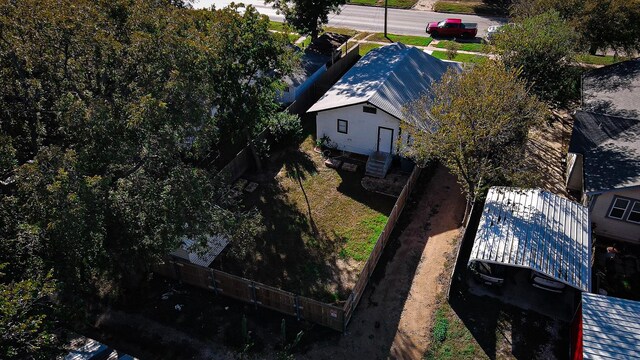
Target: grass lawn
[
  {"x": 450, "y": 338},
  {"x": 293, "y": 37},
  {"x": 468, "y": 7},
  {"x": 277, "y": 26},
  {"x": 405, "y": 39},
  {"x": 465, "y": 58},
  {"x": 597, "y": 59},
  {"x": 402, "y": 4},
  {"x": 366, "y": 47},
  {"x": 337, "y": 30},
  {"x": 321, "y": 225},
  {"x": 475, "y": 47}
]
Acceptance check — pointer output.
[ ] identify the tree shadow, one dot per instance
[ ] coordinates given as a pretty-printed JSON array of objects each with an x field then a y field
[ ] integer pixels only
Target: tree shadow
[
  {"x": 611, "y": 148},
  {"x": 613, "y": 89}
]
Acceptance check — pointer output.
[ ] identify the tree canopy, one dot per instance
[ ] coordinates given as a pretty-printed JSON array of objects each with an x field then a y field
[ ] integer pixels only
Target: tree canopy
[
  {"x": 542, "y": 47},
  {"x": 475, "y": 122},
  {"x": 601, "y": 24},
  {"x": 307, "y": 16},
  {"x": 107, "y": 129}
]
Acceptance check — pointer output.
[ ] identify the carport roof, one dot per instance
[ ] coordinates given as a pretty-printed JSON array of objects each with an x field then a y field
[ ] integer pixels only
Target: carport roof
[
  {"x": 536, "y": 229},
  {"x": 610, "y": 327}
]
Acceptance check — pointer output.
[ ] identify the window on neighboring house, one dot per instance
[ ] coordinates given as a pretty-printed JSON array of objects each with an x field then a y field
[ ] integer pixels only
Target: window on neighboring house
[
  {"x": 634, "y": 214},
  {"x": 618, "y": 208},
  {"x": 343, "y": 126},
  {"x": 369, "y": 109}
]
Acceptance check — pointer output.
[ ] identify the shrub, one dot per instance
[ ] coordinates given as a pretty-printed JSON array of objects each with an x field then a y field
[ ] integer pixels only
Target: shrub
[
  {"x": 285, "y": 128},
  {"x": 452, "y": 49}
]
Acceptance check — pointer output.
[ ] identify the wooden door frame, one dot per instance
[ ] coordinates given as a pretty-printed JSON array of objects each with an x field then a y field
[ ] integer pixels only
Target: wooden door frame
[{"x": 378, "y": 140}]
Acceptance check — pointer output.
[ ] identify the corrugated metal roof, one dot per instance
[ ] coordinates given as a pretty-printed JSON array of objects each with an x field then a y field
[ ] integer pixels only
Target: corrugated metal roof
[
  {"x": 188, "y": 251},
  {"x": 610, "y": 327},
  {"x": 536, "y": 229},
  {"x": 388, "y": 77}
]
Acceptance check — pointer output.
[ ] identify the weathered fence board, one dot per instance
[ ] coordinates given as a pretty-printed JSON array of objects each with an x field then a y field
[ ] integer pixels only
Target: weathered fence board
[{"x": 382, "y": 241}]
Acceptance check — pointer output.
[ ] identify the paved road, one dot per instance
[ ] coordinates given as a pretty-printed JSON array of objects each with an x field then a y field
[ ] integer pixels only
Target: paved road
[{"x": 366, "y": 18}]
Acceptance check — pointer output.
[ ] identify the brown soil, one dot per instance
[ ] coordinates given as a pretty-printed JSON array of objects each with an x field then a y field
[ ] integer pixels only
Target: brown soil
[
  {"x": 394, "y": 317},
  {"x": 547, "y": 152}
]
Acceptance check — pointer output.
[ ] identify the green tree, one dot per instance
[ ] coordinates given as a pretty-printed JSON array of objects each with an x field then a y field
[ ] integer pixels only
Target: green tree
[
  {"x": 475, "y": 122},
  {"x": 542, "y": 47},
  {"x": 601, "y": 24},
  {"x": 107, "y": 127},
  {"x": 307, "y": 16},
  {"x": 26, "y": 330}
]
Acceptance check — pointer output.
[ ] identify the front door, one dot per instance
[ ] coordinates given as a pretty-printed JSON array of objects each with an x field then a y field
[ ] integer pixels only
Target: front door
[{"x": 385, "y": 139}]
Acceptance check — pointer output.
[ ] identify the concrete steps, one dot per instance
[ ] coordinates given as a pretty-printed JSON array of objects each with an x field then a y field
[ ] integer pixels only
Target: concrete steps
[{"x": 378, "y": 164}]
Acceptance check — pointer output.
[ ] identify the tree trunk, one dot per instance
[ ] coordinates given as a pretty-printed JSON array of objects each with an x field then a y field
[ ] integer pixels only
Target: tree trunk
[
  {"x": 254, "y": 151},
  {"x": 593, "y": 48}
]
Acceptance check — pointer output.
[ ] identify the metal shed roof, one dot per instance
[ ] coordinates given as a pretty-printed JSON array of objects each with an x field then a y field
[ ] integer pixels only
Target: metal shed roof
[
  {"x": 188, "y": 250},
  {"x": 610, "y": 327},
  {"x": 388, "y": 77},
  {"x": 536, "y": 229}
]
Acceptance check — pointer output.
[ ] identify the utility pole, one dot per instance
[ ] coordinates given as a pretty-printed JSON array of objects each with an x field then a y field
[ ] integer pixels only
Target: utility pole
[{"x": 385, "y": 18}]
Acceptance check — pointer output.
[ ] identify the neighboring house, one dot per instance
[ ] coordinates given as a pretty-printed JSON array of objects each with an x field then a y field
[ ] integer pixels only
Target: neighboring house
[
  {"x": 605, "y": 327},
  {"x": 362, "y": 112},
  {"x": 603, "y": 163},
  {"x": 312, "y": 66},
  {"x": 536, "y": 230}
]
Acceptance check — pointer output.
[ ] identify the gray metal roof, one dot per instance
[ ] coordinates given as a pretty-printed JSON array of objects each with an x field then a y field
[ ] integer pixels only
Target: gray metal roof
[
  {"x": 189, "y": 251},
  {"x": 536, "y": 229},
  {"x": 310, "y": 62},
  {"x": 611, "y": 151},
  {"x": 610, "y": 327},
  {"x": 388, "y": 77},
  {"x": 613, "y": 90}
]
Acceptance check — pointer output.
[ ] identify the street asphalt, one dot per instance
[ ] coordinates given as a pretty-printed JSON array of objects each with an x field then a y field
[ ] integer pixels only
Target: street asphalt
[{"x": 371, "y": 19}]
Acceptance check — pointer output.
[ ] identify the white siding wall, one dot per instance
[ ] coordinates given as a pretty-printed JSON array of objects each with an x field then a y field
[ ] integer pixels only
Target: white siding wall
[
  {"x": 362, "y": 136},
  {"x": 614, "y": 228}
]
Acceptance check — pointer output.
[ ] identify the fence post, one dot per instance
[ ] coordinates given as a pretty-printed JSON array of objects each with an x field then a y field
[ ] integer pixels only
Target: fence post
[
  {"x": 213, "y": 281},
  {"x": 296, "y": 305},
  {"x": 176, "y": 269},
  {"x": 254, "y": 299}
]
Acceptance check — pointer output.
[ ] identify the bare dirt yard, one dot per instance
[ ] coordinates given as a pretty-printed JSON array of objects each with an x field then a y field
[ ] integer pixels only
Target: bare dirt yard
[{"x": 394, "y": 317}]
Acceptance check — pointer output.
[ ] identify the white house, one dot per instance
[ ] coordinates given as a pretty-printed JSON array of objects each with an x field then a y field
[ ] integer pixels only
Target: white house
[
  {"x": 312, "y": 66},
  {"x": 603, "y": 163},
  {"x": 361, "y": 113}
]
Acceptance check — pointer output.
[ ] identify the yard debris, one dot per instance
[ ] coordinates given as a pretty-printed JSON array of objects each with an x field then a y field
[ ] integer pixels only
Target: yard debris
[
  {"x": 179, "y": 307},
  {"x": 333, "y": 163},
  {"x": 240, "y": 184},
  {"x": 350, "y": 167},
  {"x": 251, "y": 187},
  {"x": 391, "y": 185},
  {"x": 166, "y": 295}
]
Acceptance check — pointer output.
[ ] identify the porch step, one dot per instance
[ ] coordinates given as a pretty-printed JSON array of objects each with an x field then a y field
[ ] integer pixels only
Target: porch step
[{"x": 378, "y": 164}]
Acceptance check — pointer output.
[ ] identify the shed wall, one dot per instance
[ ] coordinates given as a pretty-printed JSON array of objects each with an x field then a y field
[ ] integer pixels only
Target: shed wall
[{"x": 362, "y": 135}]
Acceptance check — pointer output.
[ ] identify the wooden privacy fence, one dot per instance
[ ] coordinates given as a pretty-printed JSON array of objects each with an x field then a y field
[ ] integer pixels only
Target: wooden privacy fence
[
  {"x": 253, "y": 292},
  {"x": 324, "y": 82},
  {"x": 286, "y": 302},
  {"x": 381, "y": 243}
]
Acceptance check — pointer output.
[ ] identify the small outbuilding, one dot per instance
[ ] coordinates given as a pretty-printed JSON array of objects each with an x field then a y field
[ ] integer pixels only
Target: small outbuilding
[
  {"x": 362, "y": 112},
  {"x": 606, "y": 327},
  {"x": 537, "y": 230}
]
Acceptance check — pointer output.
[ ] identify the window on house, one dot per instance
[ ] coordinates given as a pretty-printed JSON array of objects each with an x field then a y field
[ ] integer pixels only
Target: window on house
[
  {"x": 634, "y": 214},
  {"x": 369, "y": 109},
  {"x": 343, "y": 126},
  {"x": 618, "y": 208}
]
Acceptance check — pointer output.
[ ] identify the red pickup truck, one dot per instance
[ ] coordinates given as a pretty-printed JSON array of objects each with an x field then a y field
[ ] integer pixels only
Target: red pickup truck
[{"x": 452, "y": 28}]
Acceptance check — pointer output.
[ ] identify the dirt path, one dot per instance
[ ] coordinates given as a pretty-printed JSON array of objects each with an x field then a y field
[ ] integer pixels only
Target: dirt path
[
  {"x": 424, "y": 5},
  {"x": 393, "y": 319}
]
